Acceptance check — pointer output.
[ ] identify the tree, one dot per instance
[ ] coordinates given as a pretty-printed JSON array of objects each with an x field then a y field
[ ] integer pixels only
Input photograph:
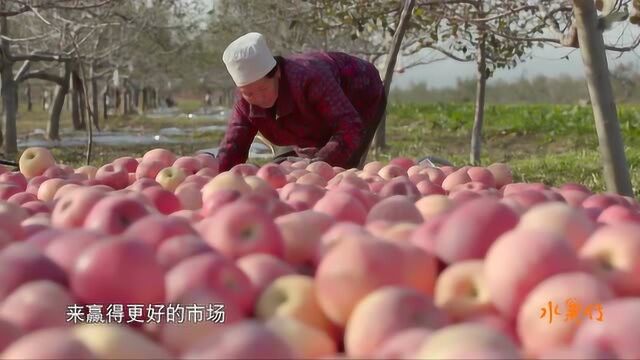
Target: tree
[{"x": 89, "y": 38}]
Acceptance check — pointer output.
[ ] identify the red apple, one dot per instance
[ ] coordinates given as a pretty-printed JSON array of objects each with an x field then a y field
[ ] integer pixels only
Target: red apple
[
  {"x": 156, "y": 228},
  {"x": 116, "y": 178},
  {"x": 177, "y": 248},
  {"x": 37, "y": 305},
  {"x": 242, "y": 228},
  {"x": 165, "y": 201},
  {"x": 471, "y": 228},
  {"x": 210, "y": 271},
  {"x": 136, "y": 279},
  {"x": 21, "y": 263},
  {"x": 114, "y": 214},
  {"x": 71, "y": 209}
]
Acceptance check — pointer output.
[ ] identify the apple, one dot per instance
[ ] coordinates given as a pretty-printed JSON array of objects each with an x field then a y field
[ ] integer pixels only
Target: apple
[
  {"x": 247, "y": 339},
  {"x": 312, "y": 179},
  {"x": 373, "y": 167},
  {"x": 272, "y": 174},
  {"x": 403, "y": 344},
  {"x": 88, "y": 170},
  {"x": 34, "y": 161},
  {"x": 351, "y": 270},
  {"x": 116, "y": 178},
  {"x": 391, "y": 171},
  {"x": 514, "y": 188},
  {"x": 64, "y": 247},
  {"x": 342, "y": 207},
  {"x": 111, "y": 341},
  {"x": 210, "y": 271},
  {"x": 72, "y": 208},
  {"x": 170, "y": 177},
  {"x": 531, "y": 256},
  {"x": 260, "y": 186},
  {"x": 156, "y": 228},
  {"x": 294, "y": 297},
  {"x": 165, "y": 201},
  {"x": 55, "y": 171},
  {"x": 613, "y": 252},
  {"x": 149, "y": 169},
  {"x": 472, "y": 227},
  {"x": 166, "y": 157},
  {"x": 263, "y": 269},
  {"x": 48, "y": 189},
  {"x": 404, "y": 162},
  {"x": 431, "y": 206},
  {"x": 34, "y": 184},
  {"x": 11, "y": 215},
  {"x": 225, "y": 181},
  {"x": 482, "y": 175},
  {"x": 615, "y": 214},
  {"x": 177, "y": 248},
  {"x": 321, "y": 168},
  {"x": 114, "y": 214},
  {"x": 188, "y": 196},
  {"x": 457, "y": 177},
  {"x": 616, "y": 333},
  {"x": 305, "y": 341},
  {"x": 462, "y": 291},
  {"x": 561, "y": 219},
  {"x": 188, "y": 164},
  {"x": 301, "y": 233},
  {"x": 540, "y": 327},
  {"x": 179, "y": 337},
  {"x": 568, "y": 352},
  {"x": 8, "y": 190},
  {"x": 468, "y": 341},
  {"x": 396, "y": 208},
  {"x": 137, "y": 279},
  {"x": 21, "y": 263},
  {"x": 244, "y": 169},
  {"x": 218, "y": 199},
  {"x": 64, "y": 189},
  {"x": 242, "y": 228},
  {"x": 400, "y": 186},
  {"x": 386, "y": 312},
  {"x": 37, "y": 305},
  {"x": 53, "y": 343}
]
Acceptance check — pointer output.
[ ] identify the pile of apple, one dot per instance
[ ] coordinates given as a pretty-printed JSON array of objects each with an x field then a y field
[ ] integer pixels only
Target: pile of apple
[{"x": 394, "y": 261}]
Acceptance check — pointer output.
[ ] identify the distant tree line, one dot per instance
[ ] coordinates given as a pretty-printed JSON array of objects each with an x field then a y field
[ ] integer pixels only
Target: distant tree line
[{"x": 564, "y": 89}]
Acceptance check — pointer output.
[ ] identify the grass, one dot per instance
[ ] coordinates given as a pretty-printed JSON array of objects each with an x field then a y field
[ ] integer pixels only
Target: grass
[{"x": 553, "y": 144}]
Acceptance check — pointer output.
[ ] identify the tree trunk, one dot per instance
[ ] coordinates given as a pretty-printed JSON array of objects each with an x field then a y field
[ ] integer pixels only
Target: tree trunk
[
  {"x": 405, "y": 17},
  {"x": 105, "y": 103},
  {"x": 9, "y": 103},
  {"x": 83, "y": 107},
  {"x": 476, "y": 135},
  {"x": 29, "y": 99},
  {"x": 156, "y": 103},
  {"x": 75, "y": 101},
  {"x": 125, "y": 101},
  {"x": 53, "y": 126},
  {"x": 616, "y": 171},
  {"x": 145, "y": 99},
  {"x": 95, "y": 113},
  {"x": 136, "y": 99},
  {"x": 9, "y": 93},
  {"x": 118, "y": 100}
]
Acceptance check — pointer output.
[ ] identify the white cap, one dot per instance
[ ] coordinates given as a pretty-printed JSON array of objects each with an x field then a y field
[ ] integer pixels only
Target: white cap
[{"x": 248, "y": 58}]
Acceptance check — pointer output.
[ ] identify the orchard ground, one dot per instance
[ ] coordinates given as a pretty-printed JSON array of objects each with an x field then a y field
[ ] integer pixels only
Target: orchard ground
[{"x": 553, "y": 144}]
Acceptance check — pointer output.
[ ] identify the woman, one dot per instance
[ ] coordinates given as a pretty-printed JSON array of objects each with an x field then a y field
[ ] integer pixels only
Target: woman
[{"x": 326, "y": 105}]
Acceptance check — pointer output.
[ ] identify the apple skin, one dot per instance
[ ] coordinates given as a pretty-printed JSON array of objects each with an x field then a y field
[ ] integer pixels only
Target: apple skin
[
  {"x": 34, "y": 161},
  {"x": 114, "y": 214}
]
